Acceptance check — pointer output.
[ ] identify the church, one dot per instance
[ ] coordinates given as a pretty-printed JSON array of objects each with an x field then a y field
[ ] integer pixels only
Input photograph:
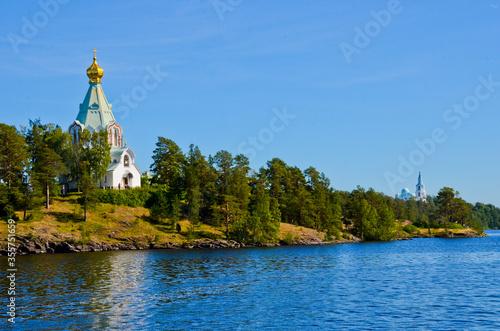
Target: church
[
  {"x": 96, "y": 114},
  {"x": 419, "y": 195}
]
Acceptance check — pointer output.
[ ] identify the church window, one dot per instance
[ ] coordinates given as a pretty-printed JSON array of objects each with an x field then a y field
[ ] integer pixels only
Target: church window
[
  {"x": 116, "y": 138},
  {"x": 126, "y": 161}
]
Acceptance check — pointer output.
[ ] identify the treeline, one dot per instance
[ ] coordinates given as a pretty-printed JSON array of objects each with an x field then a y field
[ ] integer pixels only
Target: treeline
[
  {"x": 486, "y": 215},
  {"x": 222, "y": 190},
  {"x": 33, "y": 159},
  {"x": 219, "y": 190}
]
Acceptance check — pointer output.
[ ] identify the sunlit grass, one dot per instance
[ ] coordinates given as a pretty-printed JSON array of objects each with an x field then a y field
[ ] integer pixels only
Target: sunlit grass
[{"x": 64, "y": 221}]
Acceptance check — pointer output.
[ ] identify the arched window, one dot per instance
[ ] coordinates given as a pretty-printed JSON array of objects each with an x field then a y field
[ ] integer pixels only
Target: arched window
[
  {"x": 74, "y": 137},
  {"x": 116, "y": 138},
  {"x": 126, "y": 161}
]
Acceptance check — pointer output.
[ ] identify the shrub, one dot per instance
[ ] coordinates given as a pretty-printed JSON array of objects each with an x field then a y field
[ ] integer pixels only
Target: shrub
[
  {"x": 421, "y": 224},
  {"x": 332, "y": 233},
  {"x": 410, "y": 228},
  {"x": 133, "y": 197},
  {"x": 451, "y": 225},
  {"x": 288, "y": 240}
]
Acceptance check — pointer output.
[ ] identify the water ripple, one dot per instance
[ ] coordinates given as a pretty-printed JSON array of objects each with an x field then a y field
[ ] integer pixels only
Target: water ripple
[{"x": 419, "y": 284}]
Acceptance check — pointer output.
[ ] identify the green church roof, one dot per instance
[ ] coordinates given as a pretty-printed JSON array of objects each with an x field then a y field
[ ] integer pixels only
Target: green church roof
[{"x": 95, "y": 111}]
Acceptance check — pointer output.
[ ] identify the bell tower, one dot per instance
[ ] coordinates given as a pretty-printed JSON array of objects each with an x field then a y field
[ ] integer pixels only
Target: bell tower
[{"x": 420, "y": 194}]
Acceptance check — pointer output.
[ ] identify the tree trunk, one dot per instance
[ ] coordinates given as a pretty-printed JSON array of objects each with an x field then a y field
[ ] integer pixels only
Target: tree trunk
[
  {"x": 227, "y": 219},
  {"x": 25, "y": 207},
  {"x": 47, "y": 196},
  {"x": 85, "y": 209}
]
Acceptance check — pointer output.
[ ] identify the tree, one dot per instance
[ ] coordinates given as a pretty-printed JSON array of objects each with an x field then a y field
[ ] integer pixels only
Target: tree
[
  {"x": 322, "y": 206},
  {"x": 462, "y": 211},
  {"x": 223, "y": 161},
  {"x": 263, "y": 222},
  {"x": 14, "y": 156},
  {"x": 276, "y": 175},
  {"x": 167, "y": 164},
  {"x": 95, "y": 157},
  {"x": 445, "y": 200},
  {"x": 239, "y": 185},
  {"x": 14, "y": 162},
  {"x": 192, "y": 180},
  {"x": 384, "y": 226},
  {"x": 46, "y": 144},
  {"x": 356, "y": 211}
]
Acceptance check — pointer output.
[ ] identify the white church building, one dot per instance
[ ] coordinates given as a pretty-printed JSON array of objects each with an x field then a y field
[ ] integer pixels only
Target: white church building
[
  {"x": 96, "y": 114},
  {"x": 419, "y": 195}
]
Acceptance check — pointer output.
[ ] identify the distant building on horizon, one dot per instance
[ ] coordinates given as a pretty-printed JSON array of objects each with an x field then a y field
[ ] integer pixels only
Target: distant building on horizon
[
  {"x": 405, "y": 194},
  {"x": 419, "y": 195},
  {"x": 96, "y": 114}
]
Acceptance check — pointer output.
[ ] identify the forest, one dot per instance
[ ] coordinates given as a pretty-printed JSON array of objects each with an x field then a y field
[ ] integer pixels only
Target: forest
[{"x": 219, "y": 190}]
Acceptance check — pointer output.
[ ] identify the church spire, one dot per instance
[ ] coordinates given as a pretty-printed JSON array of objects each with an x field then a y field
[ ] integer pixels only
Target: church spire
[
  {"x": 420, "y": 191},
  {"x": 95, "y": 72}
]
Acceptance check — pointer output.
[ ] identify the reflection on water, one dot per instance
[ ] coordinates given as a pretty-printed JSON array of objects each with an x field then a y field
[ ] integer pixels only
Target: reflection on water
[{"x": 423, "y": 283}]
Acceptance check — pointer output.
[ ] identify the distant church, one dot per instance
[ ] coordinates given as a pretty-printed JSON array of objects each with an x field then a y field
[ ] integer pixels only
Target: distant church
[
  {"x": 419, "y": 195},
  {"x": 95, "y": 114}
]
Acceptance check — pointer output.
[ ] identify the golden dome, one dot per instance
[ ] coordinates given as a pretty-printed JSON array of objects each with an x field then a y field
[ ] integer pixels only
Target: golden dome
[{"x": 95, "y": 72}]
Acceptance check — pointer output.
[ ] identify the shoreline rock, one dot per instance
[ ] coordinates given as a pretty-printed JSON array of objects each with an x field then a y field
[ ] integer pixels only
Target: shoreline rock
[{"x": 27, "y": 245}]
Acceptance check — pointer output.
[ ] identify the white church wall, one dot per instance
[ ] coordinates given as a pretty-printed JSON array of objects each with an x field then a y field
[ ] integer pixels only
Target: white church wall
[{"x": 115, "y": 179}]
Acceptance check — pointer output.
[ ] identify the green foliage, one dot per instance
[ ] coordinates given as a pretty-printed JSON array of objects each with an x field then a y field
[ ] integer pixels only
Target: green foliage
[
  {"x": 422, "y": 222},
  {"x": 410, "y": 228},
  {"x": 14, "y": 156},
  {"x": 476, "y": 226},
  {"x": 487, "y": 216},
  {"x": 46, "y": 144},
  {"x": 132, "y": 197},
  {"x": 451, "y": 225},
  {"x": 85, "y": 234},
  {"x": 35, "y": 215},
  {"x": 91, "y": 162},
  {"x": 288, "y": 240},
  {"x": 168, "y": 161},
  {"x": 453, "y": 209},
  {"x": 221, "y": 191}
]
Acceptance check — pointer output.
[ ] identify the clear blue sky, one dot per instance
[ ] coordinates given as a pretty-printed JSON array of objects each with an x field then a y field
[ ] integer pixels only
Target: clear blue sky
[{"x": 359, "y": 100}]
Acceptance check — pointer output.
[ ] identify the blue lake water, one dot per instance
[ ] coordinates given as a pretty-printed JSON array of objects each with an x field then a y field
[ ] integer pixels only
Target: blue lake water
[{"x": 437, "y": 284}]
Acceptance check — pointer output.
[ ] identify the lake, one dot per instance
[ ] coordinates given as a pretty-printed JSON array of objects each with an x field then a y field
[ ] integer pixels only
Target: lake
[{"x": 419, "y": 284}]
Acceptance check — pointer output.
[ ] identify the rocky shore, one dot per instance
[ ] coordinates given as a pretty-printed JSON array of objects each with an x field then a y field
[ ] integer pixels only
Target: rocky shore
[
  {"x": 26, "y": 245},
  {"x": 41, "y": 246}
]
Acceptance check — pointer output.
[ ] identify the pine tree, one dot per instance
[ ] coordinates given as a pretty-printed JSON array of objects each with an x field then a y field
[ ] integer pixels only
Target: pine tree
[
  {"x": 223, "y": 161},
  {"x": 46, "y": 144},
  {"x": 192, "y": 179},
  {"x": 95, "y": 157},
  {"x": 168, "y": 161},
  {"x": 14, "y": 162}
]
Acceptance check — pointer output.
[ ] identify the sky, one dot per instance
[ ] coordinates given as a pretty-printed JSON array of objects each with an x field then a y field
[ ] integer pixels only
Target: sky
[{"x": 368, "y": 92}]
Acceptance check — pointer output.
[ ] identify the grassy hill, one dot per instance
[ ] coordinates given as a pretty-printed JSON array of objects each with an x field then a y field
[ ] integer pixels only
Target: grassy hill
[
  {"x": 107, "y": 223},
  {"x": 110, "y": 224}
]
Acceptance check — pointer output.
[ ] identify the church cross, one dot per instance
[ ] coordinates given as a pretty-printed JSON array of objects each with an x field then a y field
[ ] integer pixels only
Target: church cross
[{"x": 94, "y": 52}]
